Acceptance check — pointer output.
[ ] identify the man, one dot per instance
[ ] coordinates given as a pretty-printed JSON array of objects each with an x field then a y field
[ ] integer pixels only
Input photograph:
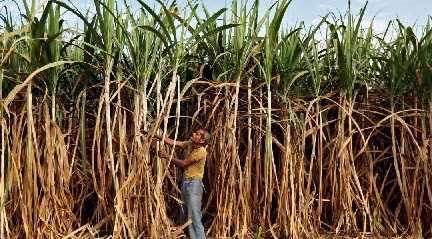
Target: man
[{"x": 192, "y": 186}]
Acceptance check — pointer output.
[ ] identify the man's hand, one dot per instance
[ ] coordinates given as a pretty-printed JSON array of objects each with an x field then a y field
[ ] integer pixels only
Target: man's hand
[
  {"x": 163, "y": 154},
  {"x": 167, "y": 140},
  {"x": 181, "y": 163},
  {"x": 147, "y": 133},
  {"x": 155, "y": 140}
]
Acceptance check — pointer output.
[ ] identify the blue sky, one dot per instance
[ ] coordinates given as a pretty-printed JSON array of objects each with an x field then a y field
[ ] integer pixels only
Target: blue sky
[{"x": 408, "y": 11}]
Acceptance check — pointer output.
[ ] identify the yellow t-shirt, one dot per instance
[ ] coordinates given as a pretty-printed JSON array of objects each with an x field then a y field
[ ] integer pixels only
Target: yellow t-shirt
[{"x": 196, "y": 169}]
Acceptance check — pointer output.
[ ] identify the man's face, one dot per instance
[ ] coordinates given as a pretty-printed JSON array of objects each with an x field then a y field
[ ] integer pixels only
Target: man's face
[{"x": 198, "y": 137}]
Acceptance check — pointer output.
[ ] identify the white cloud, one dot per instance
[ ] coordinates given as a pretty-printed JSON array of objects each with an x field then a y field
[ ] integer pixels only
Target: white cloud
[
  {"x": 379, "y": 25},
  {"x": 364, "y": 1},
  {"x": 326, "y": 7},
  {"x": 317, "y": 20}
]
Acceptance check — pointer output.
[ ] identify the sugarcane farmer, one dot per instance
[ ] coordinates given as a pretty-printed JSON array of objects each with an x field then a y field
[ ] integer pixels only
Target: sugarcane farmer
[{"x": 192, "y": 186}]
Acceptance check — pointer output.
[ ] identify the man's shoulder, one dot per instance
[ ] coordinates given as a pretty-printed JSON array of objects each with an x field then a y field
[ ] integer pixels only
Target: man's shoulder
[
  {"x": 199, "y": 153},
  {"x": 187, "y": 143},
  {"x": 202, "y": 150}
]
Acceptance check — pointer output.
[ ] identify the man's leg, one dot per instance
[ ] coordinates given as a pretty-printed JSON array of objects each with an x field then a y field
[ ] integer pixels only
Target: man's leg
[
  {"x": 183, "y": 209},
  {"x": 186, "y": 192},
  {"x": 194, "y": 208}
]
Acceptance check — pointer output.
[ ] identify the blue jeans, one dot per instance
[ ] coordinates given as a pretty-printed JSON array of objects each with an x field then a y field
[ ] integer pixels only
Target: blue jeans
[{"x": 192, "y": 191}]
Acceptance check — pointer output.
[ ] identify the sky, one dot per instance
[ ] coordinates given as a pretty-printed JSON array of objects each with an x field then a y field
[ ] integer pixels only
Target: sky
[
  {"x": 309, "y": 11},
  {"x": 408, "y": 11}
]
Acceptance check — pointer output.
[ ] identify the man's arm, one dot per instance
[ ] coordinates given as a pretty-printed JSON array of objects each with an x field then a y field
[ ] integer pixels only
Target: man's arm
[
  {"x": 181, "y": 163},
  {"x": 167, "y": 140},
  {"x": 176, "y": 143}
]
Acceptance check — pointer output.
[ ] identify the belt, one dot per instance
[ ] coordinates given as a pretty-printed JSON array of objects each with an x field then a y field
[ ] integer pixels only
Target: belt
[{"x": 191, "y": 178}]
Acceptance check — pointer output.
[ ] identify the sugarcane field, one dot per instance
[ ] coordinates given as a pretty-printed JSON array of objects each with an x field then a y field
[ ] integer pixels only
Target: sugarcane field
[{"x": 215, "y": 119}]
